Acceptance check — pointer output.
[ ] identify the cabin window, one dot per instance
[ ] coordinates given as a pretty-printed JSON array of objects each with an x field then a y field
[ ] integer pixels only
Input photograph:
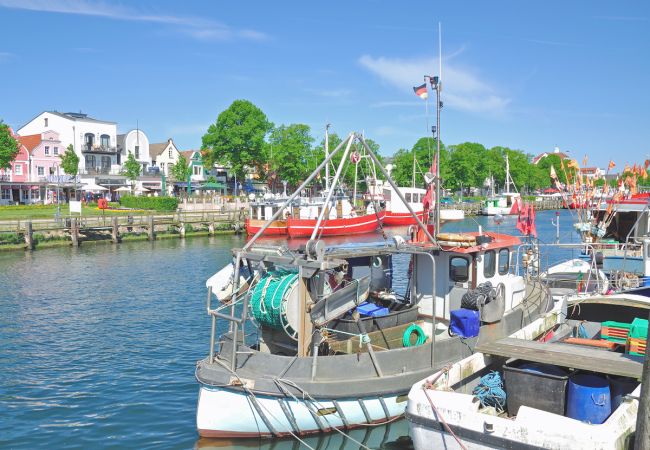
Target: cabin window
[
  {"x": 459, "y": 269},
  {"x": 504, "y": 261},
  {"x": 489, "y": 263},
  {"x": 407, "y": 197}
]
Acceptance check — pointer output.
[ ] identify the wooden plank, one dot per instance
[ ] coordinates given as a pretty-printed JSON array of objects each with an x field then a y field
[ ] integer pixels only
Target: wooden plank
[
  {"x": 386, "y": 339},
  {"x": 566, "y": 355}
]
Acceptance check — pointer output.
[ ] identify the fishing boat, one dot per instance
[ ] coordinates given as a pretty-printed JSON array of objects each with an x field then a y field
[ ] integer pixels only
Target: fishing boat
[
  {"x": 260, "y": 210},
  {"x": 397, "y": 213},
  {"x": 506, "y": 203},
  {"x": 557, "y": 384},
  {"x": 323, "y": 339}
]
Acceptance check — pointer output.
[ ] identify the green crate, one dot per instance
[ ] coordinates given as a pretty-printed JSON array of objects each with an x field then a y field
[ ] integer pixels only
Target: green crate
[
  {"x": 615, "y": 331},
  {"x": 639, "y": 329}
]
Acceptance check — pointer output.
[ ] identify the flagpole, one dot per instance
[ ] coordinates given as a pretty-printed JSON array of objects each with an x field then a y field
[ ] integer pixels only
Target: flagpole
[{"x": 437, "y": 174}]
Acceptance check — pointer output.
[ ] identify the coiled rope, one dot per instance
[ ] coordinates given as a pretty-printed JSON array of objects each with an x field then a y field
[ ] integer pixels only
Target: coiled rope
[
  {"x": 490, "y": 391},
  {"x": 406, "y": 337}
]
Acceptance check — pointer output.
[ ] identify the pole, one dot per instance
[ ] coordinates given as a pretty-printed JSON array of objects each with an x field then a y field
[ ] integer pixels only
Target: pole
[
  {"x": 437, "y": 174},
  {"x": 642, "y": 439},
  {"x": 58, "y": 194},
  {"x": 331, "y": 191},
  {"x": 327, "y": 149},
  {"x": 354, "y": 194}
]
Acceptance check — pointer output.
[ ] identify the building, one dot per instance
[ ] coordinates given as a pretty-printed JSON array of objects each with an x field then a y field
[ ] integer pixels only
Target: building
[
  {"x": 195, "y": 162},
  {"x": 14, "y": 181},
  {"x": 164, "y": 155},
  {"x": 136, "y": 142},
  {"x": 94, "y": 141},
  {"x": 592, "y": 172},
  {"x": 556, "y": 151}
]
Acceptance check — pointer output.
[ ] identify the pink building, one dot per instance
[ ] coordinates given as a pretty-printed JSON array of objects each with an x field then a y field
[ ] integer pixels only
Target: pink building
[{"x": 14, "y": 182}]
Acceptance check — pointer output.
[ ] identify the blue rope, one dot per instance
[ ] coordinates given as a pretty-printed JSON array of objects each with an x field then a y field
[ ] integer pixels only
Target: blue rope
[{"x": 490, "y": 391}]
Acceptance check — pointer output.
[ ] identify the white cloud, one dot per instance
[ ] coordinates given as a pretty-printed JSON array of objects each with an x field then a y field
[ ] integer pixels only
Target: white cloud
[
  {"x": 193, "y": 26},
  {"x": 462, "y": 89}
]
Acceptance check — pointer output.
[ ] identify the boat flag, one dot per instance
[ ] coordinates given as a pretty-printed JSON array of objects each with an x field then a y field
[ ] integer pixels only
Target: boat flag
[
  {"x": 526, "y": 221},
  {"x": 554, "y": 178},
  {"x": 611, "y": 165},
  {"x": 421, "y": 91},
  {"x": 646, "y": 163}
]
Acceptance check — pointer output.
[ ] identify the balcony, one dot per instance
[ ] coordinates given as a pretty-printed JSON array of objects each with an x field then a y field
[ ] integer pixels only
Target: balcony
[
  {"x": 5, "y": 177},
  {"x": 100, "y": 171},
  {"x": 99, "y": 149}
]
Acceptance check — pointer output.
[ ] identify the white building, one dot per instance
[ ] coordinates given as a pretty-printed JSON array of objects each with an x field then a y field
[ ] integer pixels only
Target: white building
[
  {"x": 164, "y": 155},
  {"x": 94, "y": 141},
  {"x": 136, "y": 142}
]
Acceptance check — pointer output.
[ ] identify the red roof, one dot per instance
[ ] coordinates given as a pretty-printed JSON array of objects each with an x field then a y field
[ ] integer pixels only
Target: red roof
[
  {"x": 30, "y": 141},
  {"x": 188, "y": 153}
]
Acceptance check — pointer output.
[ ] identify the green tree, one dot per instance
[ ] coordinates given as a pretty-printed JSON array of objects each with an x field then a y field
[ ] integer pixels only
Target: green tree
[
  {"x": 425, "y": 149},
  {"x": 467, "y": 165},
  {"x": 132, "y": 169},
  {"x": 237, "y": 137},
  {"x": 70, "y": 164},
  {"x": 544, "y": 165},
  {"x": 180, "y": 171},
  {"x": 287, "y": 152},
  {"x": 9, "y": 146}
]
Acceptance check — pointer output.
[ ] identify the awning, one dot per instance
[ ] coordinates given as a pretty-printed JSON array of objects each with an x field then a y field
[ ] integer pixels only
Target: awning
[
  {"x": 184, "y": 185},
  {"x": 92, "y": 187},
  {"x": 212, "y": 186}
]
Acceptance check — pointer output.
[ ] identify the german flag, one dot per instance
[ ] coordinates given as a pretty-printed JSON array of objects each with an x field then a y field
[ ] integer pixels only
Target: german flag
[{"x": 421, "y": 91}]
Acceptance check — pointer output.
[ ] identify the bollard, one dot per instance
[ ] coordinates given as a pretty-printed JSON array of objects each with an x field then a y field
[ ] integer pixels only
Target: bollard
[
  {"x": 152, "y": 234},
  {"x": 115, "y": 235},
  {"x": 181, "y": 230},
  {"x": 74, "y": 232},
  {"x": 211, "y": 229},
  {"x": 29, "y": 236}
]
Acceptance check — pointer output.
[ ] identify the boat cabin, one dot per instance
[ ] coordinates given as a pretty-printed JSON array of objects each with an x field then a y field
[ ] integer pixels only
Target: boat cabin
[{"x": 413, "y": 196}]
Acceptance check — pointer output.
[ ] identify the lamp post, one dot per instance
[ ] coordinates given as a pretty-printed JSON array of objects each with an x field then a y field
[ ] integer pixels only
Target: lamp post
[{"x": 58, "y": 194}]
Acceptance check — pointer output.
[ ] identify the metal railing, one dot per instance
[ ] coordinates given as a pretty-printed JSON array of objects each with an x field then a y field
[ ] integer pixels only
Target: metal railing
[{"x": 98, "y": 149}]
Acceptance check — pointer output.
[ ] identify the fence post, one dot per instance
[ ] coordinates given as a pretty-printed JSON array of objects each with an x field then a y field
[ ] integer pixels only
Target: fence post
[
  {"x": 29, "y": 237},
  {"x": 152, "y": 234},
  {"x": 74, "y": 232},
  {"x": 116, "y": 231}
]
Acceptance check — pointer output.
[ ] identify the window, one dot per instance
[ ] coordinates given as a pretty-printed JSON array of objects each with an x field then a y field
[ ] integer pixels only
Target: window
[
  {"x": 137, "y": 152},
  {"x": 89, "y": 140},
  {"x": 162, "y": 166},
  {"x": 170, "y": 153},
  {"x": 47, "y": 150},
  {"x": 489, "y": 263},
  {"x": 459, "y": 269},
  {"x": 106, "y": 164},
  {"x": 407, "y": 197},
  {"x": 18, "y": 169},
  {"x": 197, "y": 170},
  {"x": 41, "y": 171},
  {"x": 504, "y": 261},
  {"x": 45, "y": 121},
  {"x": 6, "y": 194},
  {"x": 90, "y": 161},
  {"x": 55, "y": 151},
  {"x": 105, "y": 140}
]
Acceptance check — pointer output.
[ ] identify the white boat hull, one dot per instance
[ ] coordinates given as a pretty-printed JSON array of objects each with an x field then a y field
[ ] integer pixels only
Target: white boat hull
[
  {"x": 494, "y": 210},
  {"x": 225, "y": 413}
]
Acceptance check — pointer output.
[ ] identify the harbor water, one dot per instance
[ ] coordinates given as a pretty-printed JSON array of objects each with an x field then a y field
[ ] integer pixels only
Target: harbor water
[{"x": 98, "y": 344}]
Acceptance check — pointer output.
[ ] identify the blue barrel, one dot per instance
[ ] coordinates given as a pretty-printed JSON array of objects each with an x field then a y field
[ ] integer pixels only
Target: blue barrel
[
  {"x": 589, "y": 398},
  {"x": 619, "y": 388}
]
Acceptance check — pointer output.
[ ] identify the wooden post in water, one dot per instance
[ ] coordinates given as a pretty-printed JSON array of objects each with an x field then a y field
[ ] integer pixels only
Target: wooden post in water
[
  {"x": 74, "y": 232},
  {"x": 115, "y": 235},
  {"x": 211, "y": 228},
  {"x": 181, "y": 230},
  {"x": 152, "y": 234},
  {"x": 642, "y": 438},
  {"x": 29, "y": 236}
]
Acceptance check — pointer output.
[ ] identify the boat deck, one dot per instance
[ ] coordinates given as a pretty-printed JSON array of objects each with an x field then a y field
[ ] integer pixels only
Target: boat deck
[{"x": 566, "y": 355}]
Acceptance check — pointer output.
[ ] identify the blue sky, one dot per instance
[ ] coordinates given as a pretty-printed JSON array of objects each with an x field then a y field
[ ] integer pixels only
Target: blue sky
[{"x": 527, "y": 75}]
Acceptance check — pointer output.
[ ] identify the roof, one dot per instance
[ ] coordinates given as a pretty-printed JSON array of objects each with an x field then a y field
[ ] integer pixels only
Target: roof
[
  {"x": 157, "y": 149},
  {"x": 541, "y": 156},
  {"x": 78, "y": 116},
  {"x": 30, "y": 141},
  {"x": 188, "y": 153}
]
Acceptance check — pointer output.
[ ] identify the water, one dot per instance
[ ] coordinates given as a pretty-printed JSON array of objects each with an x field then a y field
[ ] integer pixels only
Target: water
[{"x": 98, "y": 344}]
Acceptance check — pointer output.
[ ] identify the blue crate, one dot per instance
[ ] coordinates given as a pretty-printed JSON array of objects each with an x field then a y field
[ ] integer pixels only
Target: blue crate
[
  {"x": 464, "y": 322},
  {"x": 372, "y": 310}
]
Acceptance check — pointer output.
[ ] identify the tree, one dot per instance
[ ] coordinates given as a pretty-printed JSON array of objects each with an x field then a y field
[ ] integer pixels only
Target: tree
[
  {"x": 132, "y": 169},
  {"x": 70, "y": 165},
  {"x": 237, "y": 137},
  {"x": 425, "y": 149},
  {"x": 180, "y": 171},
  {"x": 287, "y": 152},
  {"x": 9, "y": 146},
  {"x": 467, "y": 165}
]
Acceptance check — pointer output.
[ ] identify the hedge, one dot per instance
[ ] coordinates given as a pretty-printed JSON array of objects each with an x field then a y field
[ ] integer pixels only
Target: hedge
[{"x": 154, "y": 203}]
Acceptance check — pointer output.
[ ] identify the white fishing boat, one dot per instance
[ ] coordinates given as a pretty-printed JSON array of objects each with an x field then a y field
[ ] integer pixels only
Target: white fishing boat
[
  {"x": 506, "y": 203},
  {"x": 570, "y": 383}
]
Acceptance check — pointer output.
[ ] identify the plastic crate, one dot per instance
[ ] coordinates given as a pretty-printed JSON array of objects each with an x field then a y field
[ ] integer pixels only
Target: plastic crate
[
  {"x": 639, "y": 329},
  {"x": 372, "y": 310},
  {"x": 464, "y": 322},
  {"x": 636, "y": 346},
  {"x": 615, "y": 331},
  {"x": 536, "y": 385}
]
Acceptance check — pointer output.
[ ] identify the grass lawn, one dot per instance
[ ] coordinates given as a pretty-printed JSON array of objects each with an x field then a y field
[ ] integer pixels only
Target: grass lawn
[{"x": 48, "y": 212}]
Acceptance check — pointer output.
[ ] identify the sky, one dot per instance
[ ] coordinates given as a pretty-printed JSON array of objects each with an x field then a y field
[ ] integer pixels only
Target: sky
[{"x": 526, "y": 75}]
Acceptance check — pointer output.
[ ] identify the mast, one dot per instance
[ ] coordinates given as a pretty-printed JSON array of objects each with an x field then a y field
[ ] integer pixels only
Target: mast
[
  {"x": 327, "y": 167},
  {"x": 438, "y": 104}
]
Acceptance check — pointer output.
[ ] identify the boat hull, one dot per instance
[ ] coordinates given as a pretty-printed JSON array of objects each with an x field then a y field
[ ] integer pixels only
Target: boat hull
[
  {"x": 396, "y": 219},
  {"x": 286, "y": 416},
  {"x": 494, "y": 210},
  {"x": 277, "y": 227},
  {"x": 335, "y": 227}
]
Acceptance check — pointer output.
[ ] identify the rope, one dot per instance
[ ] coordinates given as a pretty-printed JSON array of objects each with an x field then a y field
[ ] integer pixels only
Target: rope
[
  {"x": 267, "y": 298},
  {"x": 490, "y": 391},
  {"x": 406, "y": 337},
  {"x": 429, "y": 385}
]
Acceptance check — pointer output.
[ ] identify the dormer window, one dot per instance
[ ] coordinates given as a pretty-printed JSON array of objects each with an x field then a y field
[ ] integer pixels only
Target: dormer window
[{"x": 170, "y": 153}]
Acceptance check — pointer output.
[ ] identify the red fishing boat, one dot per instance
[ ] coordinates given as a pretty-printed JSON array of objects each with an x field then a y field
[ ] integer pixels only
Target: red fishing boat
[{"x": 366, "y": 223}]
